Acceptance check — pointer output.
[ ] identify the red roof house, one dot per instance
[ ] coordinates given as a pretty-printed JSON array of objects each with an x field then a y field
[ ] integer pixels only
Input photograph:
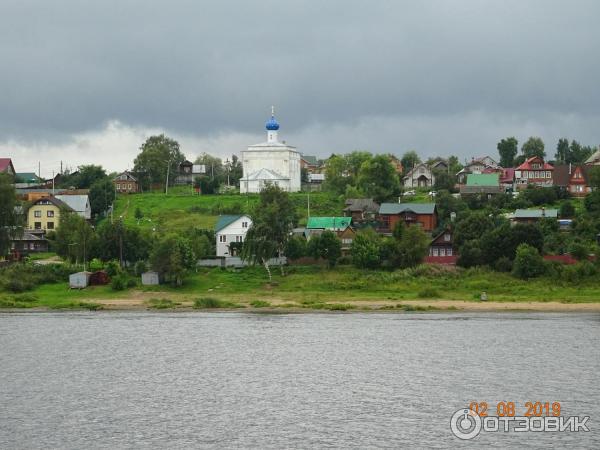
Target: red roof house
[
  {"x": 6, "y": 166},
  {"x": 534, "y": 171}
]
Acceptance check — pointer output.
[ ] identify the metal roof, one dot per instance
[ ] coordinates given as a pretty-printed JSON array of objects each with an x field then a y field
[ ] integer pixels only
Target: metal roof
[
  {"x": 535, "y": 213},
  {"x": 483, "y": 179},
  {"x": 329, "y": 223},
  {"x": 226, "y": 220},
  {"x": 397, "y": 208}
]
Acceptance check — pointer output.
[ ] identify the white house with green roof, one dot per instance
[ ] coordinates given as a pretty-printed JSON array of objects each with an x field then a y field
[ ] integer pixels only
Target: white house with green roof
[{"x": 231, "y": 229}]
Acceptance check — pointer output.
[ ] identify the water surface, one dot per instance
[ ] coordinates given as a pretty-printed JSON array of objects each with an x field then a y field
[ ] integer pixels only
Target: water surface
[{"x": 236, "y": 380}]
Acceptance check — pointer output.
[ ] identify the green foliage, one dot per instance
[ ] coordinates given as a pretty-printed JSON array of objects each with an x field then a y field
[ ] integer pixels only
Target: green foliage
[
  {"x": 470, "y": 254},
  {"x": 528, "y": 262},
  {"x": 119, "y": 282},
  {"x": 326, "y": 246},
  {"x": 428, "y": 292},
  {"x": 409, "y": 160},
  {"x": 377, "y": 178},
  {"x": 162, "y": 303},
  {"x": 140, "y": 267},
  {"x": 113, "y": 268},
  {"x": 26, "y": 276},
  {"x": 116, "y": 240},
  {"x": 272, "y": 223},
  {"x": 539, "y": 196},
  {"x": 212, "y": 303},
  {"x": 534, "y": 146},
  {"x": 173, "y": 257},
  {"x": 296, "y": 247},
  {"x": 86, "y": 176},
  {"x": 9, "y": 219},
  {"x": 592, "y": 202},
  {"x": 562, "y": 151},
  {"x": 74, "y": 239},
  {"x": 472, "y": 226},
  {"x": 567, "y": 210},
  {"x": 508, "y": 149},
  {"x": 156, "y": 154},
  {"x": 594, "y": 177},
  {"x": 365, "y": 249},
  {"x": 579, "y": 251},
  {"x": 260, "y": 304},
  {"x": 138, "y": 214},
  {"x": 95, "y": 264},
  {"x": 503, "y": 264},
  {"x": 444, "y": 180},
  {"x": 102, "y": 195}
]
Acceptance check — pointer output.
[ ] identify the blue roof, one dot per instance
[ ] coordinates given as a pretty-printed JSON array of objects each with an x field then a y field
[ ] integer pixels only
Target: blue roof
[{"x": 272, "y": 124}]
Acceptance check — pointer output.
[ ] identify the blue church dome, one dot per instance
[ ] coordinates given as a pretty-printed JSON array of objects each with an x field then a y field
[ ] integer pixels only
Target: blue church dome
[{"x": 272, "y": 124}]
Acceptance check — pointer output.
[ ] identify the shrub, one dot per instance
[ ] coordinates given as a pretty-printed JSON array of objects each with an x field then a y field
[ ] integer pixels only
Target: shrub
[
  {"x": 338, "y": 306},
  {"x": 113, "y": 268},
  {"x": 161, "y": 303},
  {"x": 365, "y": 249},
  {"x": 579, "y": 251},
  {"x": 528, "y": 262},
  {"x": 567, "y": 210},
  {"x": 19, "y": 285},
  {"x": 95, "y": 265},
  {"x": 260, "y": 304},
  {"x": 503, "y": 264},
  {"x": 428, "y": 292},
  {"x": 344, "y": 260},
  {"x": 140, "y": 267},
  {"x": 211, "y": 303},
  {"x": 119, "y": 282}
]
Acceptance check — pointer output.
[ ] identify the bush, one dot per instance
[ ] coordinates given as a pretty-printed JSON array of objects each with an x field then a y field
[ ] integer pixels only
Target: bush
[
  {"x": 365, "y": 249},
  {"x": 528, "y": 262},
  {"x": 140, "y": 267},
  {"x": 579, "y": 251},
  {"x": 503, "y": 264},
  {"x": 344, "y": 260},
  {"x": 19, "y": 285},
  {"x": 113, "y": 268},
  {"x": 567, "y": 210},
  {"x": 260, "y": 304},
  {"x": 119, "y": 282},
  {"x": 211, "y": 303},
  {"x": 428, "y": 292},
  {"x": 95, "y": 265}
]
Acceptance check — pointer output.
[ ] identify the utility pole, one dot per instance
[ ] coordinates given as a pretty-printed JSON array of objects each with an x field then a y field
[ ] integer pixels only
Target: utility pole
[
  {"x": 308, "y": 203},
  {"x": 167, "y": 183},
  {"x": 53, "y": 183},
  {"x": 39, "y": 170}
]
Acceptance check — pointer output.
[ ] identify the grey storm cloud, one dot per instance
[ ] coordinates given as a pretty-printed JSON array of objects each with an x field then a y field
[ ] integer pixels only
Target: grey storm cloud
[{"x": 434, "y": 75}]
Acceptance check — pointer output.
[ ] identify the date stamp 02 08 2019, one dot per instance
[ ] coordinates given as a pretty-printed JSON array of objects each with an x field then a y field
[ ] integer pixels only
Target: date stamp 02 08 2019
[{"x": 467, "y": 423}]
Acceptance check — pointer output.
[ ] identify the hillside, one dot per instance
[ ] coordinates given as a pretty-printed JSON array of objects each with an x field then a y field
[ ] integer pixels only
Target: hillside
[{"x": 181, "y": 209}]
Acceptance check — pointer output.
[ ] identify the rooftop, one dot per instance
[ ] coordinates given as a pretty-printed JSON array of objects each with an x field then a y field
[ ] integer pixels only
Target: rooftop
[
  {"x": 397, "y": 208},
  {"x": 535, "y": 213},
  {"x": 329, "y": 223},
  {"x": 483, "y": 179}
]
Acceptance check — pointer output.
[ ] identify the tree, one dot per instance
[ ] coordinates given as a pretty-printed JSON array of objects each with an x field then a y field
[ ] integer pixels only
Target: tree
[
  {"x": 9, "y": 218},
  {"x": 158, "y": 154},
  {"x": 365, "y": 249},
  {"x": 102, "y": 195},
  {"x": 409, "y": 160},
  {"x": 528, "y": 262},
  {"x": 563, "y": 152},
  {"x": 454, "y": 165},
  {"x": 579, "y": 153},
  {"x": 236, "y": 171},
  {"x": 337, "y": 175},
  {"x": 414, "y": 245},
  {"x": 444, "y": 180},
  {"x": 567, "y": 210},
  {"x": 326, "y": 246},
  {"x": 355, "y": 160},
  {"x": 117, "y": 241},
  {"x": 508, "y": 149},
  {"x": 473, "y": 226},
  {"x": 377, "y": 178},
  {"x": 74, "y": 239},
  {"x": 87, "y": 176},
  {"x": 534, "y": 146},
  {"x": 592, "y": 202},
  {"x": 173, "y": 257},
  {"x": 594, "y": 177},
  {"x": 296, "y": 247},
  {"x": 272, "y": 222},
  {"x": 215, "y": 170},
  {"x": 203, "y": 242}
]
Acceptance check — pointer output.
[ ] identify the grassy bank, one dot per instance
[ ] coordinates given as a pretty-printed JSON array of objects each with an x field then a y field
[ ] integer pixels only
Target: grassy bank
[
  {"x": 181, "y": 210},
  {"x": 313, "y": 288}
]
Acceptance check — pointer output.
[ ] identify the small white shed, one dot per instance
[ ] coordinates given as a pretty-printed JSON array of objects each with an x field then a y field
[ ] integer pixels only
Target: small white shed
[
  {"x": 79, "y": 280},
  {"x": 150, "y": 278}
]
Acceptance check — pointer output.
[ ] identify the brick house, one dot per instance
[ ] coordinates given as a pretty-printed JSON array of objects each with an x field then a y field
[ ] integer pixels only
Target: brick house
[
  {"x": 420, "y": 214},
  {"x": 126, "y": 183}
]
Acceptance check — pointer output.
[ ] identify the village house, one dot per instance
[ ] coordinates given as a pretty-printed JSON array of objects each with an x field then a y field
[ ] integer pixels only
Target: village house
[
  {"x": 572, "y": 178},
  {"x": 310, "y": 163},
  {"x": 78, "y": 203},
  {"x": 126, "y": 183},
  {"x": 419, "y": 214},
  {"x": 6, "y": 166},
  {"x": 27, "y": 243},
  {"x": 396, "y": 164},
  {"x": 482, "y": 183},
  {"x": 27, "y": 179},
  {"x": 594, "y": 160},
  {"x": 188, "y": 171},
  {"x": 230, "y": 232},
  {"x": 534, "y": 171},
  {"x": 533, "y": 215},
  {"x": 441, "y": 249},
  {"x": 361, "y": 209},
  {"x": 440, "y": 165},
  {"x": 419, "y": 176},
  {"x": 44, "y": 214},
  {"x": 476, "y": 166},
  {"x": 341, "y": 226}
]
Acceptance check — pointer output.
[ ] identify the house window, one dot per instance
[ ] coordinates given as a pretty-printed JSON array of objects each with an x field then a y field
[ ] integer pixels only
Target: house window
[
  {"x": 449, "y": 251},
  {"x": 239, "y": 239},
  {"x": 50, "y": 225},
  {"x": 37, "y": 214},
  {"x": 244, "y": 224},
  {"x": 436, "y": 252},
  {"x": 37, "y": 225},
  {"x": 222, "y": 238},
  {"x": 442, "y": 251},
  {"x": 447, "y": 237},
  {"x": 129, "y": 186},
  {"x": 49, "y": 213},
  {"x": 548, "y": 174},
  {"x": 347, "y": 241}
]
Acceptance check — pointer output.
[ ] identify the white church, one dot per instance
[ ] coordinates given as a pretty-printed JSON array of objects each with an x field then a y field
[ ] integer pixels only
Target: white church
[{"x": 271, "y": 162}]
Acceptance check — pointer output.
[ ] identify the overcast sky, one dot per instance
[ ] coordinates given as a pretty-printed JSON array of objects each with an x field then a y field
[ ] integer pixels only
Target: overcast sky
[{"x": 87, "y": 81}]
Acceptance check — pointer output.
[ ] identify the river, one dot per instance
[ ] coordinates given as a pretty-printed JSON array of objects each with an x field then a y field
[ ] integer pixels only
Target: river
[{"x": 238, "y": 380}]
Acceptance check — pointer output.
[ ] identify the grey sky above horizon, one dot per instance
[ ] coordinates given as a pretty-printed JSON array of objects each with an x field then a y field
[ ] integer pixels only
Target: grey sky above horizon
[{"x": 87, "y": 82}]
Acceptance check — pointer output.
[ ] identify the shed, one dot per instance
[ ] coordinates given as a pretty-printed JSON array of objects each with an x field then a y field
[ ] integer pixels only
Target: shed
[
  {"x": 79, "y": 280},
  {"x": 150, "y": 278},
  {"x": 99, "y": 278}
]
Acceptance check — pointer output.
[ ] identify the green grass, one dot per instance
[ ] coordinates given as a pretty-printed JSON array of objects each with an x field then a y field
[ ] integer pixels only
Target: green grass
[
  {"x": 180, "y": 210},
  {"x": 260, "y": 304},
  {"x": 213, "y": 303},
  {"x": 161, "y": 303},
  {"x": 41, "y": 255}
]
